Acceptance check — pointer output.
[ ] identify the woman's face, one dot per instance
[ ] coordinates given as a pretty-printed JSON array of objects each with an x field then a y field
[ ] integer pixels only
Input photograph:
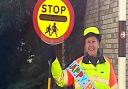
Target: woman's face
[{"x": 91, "y": 46}]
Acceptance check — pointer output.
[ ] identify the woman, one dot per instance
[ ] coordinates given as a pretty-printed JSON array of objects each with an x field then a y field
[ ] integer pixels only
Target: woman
[{"x": 90, "y": 71}]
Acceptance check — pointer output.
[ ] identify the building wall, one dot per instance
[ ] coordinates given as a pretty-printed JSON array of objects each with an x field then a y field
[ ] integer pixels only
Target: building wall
[{"x": 104, "y": 14}]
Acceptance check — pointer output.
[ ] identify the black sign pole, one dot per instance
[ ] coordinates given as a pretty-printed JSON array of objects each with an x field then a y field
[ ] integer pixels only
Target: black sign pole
[
  {"x": 49, "y": 74},
  {"x": 122, "y": 45}
]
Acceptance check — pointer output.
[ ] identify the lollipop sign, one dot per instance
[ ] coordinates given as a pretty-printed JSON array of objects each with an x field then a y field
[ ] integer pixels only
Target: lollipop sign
[{"x": 53, "y": 20}]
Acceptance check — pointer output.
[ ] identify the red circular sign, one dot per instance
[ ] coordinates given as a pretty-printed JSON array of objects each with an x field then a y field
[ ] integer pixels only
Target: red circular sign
[{"x": 48, "y": 19}]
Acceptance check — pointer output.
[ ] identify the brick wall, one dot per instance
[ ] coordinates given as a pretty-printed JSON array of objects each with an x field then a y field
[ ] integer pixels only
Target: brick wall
[{"x": 104, "y": 14}]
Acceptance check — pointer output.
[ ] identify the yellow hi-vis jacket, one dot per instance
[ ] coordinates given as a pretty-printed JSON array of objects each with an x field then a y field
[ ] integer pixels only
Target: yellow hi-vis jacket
[{"x": 102, "y": 75}]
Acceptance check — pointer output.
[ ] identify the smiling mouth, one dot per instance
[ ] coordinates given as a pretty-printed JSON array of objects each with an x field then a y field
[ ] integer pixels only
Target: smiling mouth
[{"x": 91, "y": 49}]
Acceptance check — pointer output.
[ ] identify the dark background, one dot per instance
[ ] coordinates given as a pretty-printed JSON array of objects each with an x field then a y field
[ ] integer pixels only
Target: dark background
[{"x": 19, "y": 43}]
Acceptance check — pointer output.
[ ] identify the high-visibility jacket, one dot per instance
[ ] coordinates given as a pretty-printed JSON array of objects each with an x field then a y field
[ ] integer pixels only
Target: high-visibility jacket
[{"x": 102, "y": 75}]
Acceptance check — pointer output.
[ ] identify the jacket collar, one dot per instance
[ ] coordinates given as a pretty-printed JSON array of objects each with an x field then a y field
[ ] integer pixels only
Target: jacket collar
[{"x": 87, "y": 59}]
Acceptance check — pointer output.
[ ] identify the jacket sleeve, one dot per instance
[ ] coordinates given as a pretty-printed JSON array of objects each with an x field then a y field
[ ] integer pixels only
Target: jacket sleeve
[
  {"x": 113, "y": 79},
  {"x": 62, "y": 77}
]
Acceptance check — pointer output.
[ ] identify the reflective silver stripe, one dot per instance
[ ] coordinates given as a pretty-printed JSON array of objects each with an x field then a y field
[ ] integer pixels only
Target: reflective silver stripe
[
  {"x": 60, "y": 78},
  {"x": 65, "y": 77},
  {"x": 99, "y": 79}
]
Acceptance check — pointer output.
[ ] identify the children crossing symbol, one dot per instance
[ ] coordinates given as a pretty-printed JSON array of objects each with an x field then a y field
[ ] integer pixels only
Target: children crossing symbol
[{"x": 52, "y": 30}]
